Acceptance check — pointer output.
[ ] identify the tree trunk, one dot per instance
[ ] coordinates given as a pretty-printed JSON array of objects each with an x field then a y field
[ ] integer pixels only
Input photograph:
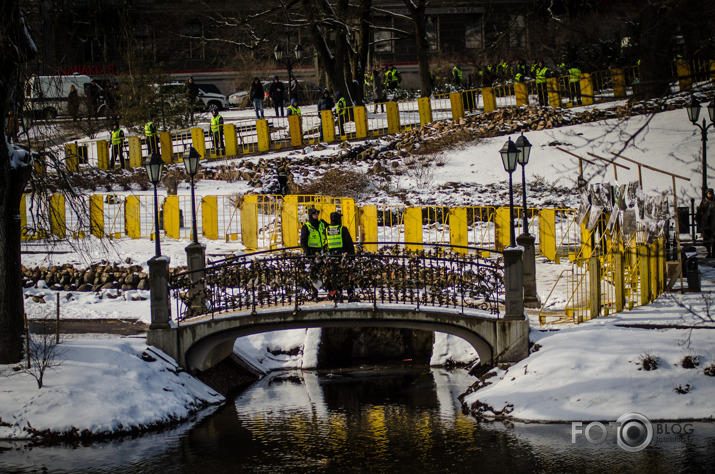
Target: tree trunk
[
  {"x": 14, "y": 50},
  {"x": 657, "y": 22},
  {"x": 417, "y": 11}
]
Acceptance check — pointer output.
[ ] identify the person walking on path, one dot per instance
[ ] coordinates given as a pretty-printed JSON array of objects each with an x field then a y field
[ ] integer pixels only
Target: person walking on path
[
  {"x": 256, "y": 96},
  {"x": 192, "y": 93},
  {"x": 152, "y": 135},
  {"x": 377, "y": 90},
  {"x": 217, "y": 133},
  {"x": 705, "y": 217},
  {"x": 117, "y": 146},
  {"x": 277, "y": 93}
]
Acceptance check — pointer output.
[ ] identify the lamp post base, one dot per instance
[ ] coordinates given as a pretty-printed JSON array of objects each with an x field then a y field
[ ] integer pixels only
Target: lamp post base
[{"x": 513, "y": 284}]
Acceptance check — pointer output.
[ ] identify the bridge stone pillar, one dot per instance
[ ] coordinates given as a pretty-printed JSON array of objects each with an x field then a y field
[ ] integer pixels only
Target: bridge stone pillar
[
  {"x": 196, "y": 260},
  {"x": 531, "y": 298},
  {"x": 159, "y": 289},
  {"x": 514, "y": 283}
]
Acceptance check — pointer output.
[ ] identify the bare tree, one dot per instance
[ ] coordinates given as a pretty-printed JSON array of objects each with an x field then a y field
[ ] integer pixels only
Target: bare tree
[
  {"x": 44, "y": 351},
  {"x": 417, "y": 11}
]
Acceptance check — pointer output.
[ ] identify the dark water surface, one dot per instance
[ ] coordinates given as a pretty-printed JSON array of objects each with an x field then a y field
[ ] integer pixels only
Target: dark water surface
[{"x": 371, "y": 419}]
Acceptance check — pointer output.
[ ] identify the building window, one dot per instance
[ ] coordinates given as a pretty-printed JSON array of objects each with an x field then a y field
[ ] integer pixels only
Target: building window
[
  {"x": 517, "y": 32},
  {"x": 473, "y": 33},
  {"x": 193, "y": 34},
  {"x": 383, "y": 39},
  {"x": 432, "y": 33}
]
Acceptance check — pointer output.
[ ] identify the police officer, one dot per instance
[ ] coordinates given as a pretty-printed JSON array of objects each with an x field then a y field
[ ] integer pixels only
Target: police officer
[
  {"x": 575, "y": 84},
  {"x": 338, "y": 236},
  {"x": 312, "y": 234},
  {"x": 117, "y": 146},
  {"x": 293, "y": 109},
  {"x": 217, "y": 133},
  {"x": 341, "y": 107},
  {"x": 457, "y": 76},
  {"x": 152, "y": 136},
  {"x": 541, "y": 92}
]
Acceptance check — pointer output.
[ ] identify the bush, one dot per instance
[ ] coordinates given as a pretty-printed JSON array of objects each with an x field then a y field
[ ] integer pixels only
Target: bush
[
  {"x": 710, "y": 369},
  {"x": 690, "y": 362},
  {"x": 648, "y": 361},
  {"x": 338, "y": 183}
]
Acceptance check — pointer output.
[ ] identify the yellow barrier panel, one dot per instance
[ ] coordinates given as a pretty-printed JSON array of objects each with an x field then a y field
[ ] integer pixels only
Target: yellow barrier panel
[
  {"x": 619, "y": 281},
  {"x": 348, "y": 210},
  {"x": 360, "y": 115},
  {"x": 586, "y": 236},
  {"x": 172, "y": 218},
  {"x": 263, "y": 134},
  {"x": 23, "y": 217},
  {"x": 229, "y": 139},
  {"x": 644, "y": 274},
  {"x": 249, "y": 221},
  {"x": 458, "y": 231},
  {"x": 327, "y": 121},
  {"x": 135, "y": 151},
  {"x": 393, "y": 117},
  {"x": 368, "y": 227},
  {"x": 165, "y": 147},
  {"x": 132, "y": 217},
  {"x": 586, "y": 89},
  {"x": 295, "y": 125},
  {"x": 619, "y": 83},
  {"x": 684, "y": 78},
  {"x": 455, "y": 100},
  {"x": 425, "y": 108},
  {"x": 490, "y": 100},
  {"x": 547, "y": 233},
  {"x": 102, "y": 155},
  {"x": 209, "y": 217},
  {"x": 653, "y": 260},
  {"x": 71, "y": 158},
  {"x": 502, "y": 237},
  {"x": 96, "y": 215},
  {"x": 58, "y": 223},
  {"x": 198, "y": 141},
  {"x": 552, "y": 88},
  {"x": 413, "y": 227},
  {"x": 522, "y": 94},
  {"x": 289, "y": 220}
]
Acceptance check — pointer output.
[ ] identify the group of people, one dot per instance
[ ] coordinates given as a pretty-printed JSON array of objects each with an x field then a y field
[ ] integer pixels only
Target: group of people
[
  {"x": 276, "y": 92},
  {"x": 318, "y": 237}
]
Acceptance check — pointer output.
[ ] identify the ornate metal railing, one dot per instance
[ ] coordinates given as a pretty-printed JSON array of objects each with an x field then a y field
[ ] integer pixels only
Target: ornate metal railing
[{"x": 437, "y": 278}]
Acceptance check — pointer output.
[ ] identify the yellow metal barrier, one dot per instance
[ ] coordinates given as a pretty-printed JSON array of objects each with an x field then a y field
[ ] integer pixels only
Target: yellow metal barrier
[
  {"x": 96, "y": 215},
  {"x": 328, "y": 124},
  {"x": 368, "y": 227},
  {"x": 458, "y": 232},
  {"x": 490, "y": 100},
  {"x": 547, "y": 233},
  {"x": 393, "y": 117},
  {"x": 296, "y": 130},
  {"x": 413, "y": 227},
  {"x": 619, "y": 83},
  {"x": 135, "y": 151},
  {"x": 361, "y": 126},
  {"x": 209, "y": 217},
  {"x": 102, "y": 155},
  {"x": 171, "y": 217},
  {"x": 685, "y": 78},
  {"x": 425, "y": 110},
  {"x": 586, "y": 89},
  {"x": 455, "y": 100},
  {"x": 409, "y": 114},
  {"x": 198, "y": 141},
  {"x": 522, "y": 94},
  {"x": 71, "y": 158},
  {"x": 501, "y": 228},
  {"x": 249, "y": 222},
  {"x": 229, "y": 137},
  {"x": 554, "y": 95},
  {"x": 166, "y": 147},
  {"x": 58, "y": 222}
]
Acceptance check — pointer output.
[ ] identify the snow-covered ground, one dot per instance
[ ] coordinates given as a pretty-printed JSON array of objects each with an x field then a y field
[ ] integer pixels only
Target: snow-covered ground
[{"x": 589, "y": 371}]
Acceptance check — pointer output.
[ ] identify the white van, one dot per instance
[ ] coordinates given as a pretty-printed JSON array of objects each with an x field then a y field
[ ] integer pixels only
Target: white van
[{"x": 47, "y": 96}]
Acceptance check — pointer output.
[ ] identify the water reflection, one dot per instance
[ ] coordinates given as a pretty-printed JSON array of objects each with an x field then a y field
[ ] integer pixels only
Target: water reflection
[{"x": 370, "y": 419}]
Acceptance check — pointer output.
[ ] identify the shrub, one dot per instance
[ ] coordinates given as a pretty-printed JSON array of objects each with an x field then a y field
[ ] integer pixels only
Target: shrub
[
  {"x": 682, "y": 389},
  {"x": 338, "y": 183},
  {"x": 648, "y": 361},
  {"x": 710, "y": 369},
  {"x": 690, "y": 362}
]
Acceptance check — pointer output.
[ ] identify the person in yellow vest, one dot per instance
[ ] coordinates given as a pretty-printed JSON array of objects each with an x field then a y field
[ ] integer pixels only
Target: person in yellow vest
[
  {"x": 312, "y": 234},
  {"x": 341, "y": 107},
  {"x": 117, "y": 143},
  {"x": 293, "y": 109},
  {"x": 217, "y": 133},
  {"x": 457, "y": 76},
  {"x": 575, "y": 84},
  {"x": 541, "y": 91},
  {"x": 152, "y": 136}
]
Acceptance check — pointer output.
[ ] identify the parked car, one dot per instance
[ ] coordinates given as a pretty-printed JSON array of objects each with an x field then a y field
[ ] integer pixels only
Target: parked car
[
  {"x": 240, "y": 98},
  {"x": 205, "y": 100}
]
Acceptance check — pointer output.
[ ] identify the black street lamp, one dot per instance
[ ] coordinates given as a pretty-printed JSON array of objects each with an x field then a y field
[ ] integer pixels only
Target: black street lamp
[
  {"x": 282, "y": 58},
  {"x": 524, "y": 151},
  {"x": 693, "y": 110},
  {"x": 154, "y": 165},
  {"x": 191, "y": 162},
  {"x": 509, "y": 154}
]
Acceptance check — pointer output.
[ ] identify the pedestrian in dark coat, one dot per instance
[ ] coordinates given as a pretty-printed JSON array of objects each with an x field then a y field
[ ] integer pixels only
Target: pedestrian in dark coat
[
  {"x": 256, "y": 96},
  {"x": 378, "y": 95},
  {"x": 325, "y": 103},
  {"x": 705, "y": 217},
  {"x": 192, "y": 93},
  {"x": 339, "y": 239},
  {"x": 277, "y": 93},
  {"x": 73, "y": 103}
]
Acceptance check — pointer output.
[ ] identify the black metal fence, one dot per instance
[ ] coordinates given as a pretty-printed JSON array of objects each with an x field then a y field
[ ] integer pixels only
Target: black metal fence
[{"x": 437, "y": 278}]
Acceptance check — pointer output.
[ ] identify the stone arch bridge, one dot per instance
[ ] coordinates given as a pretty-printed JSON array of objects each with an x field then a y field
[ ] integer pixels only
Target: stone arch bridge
[{"x": 456, "y": 293}]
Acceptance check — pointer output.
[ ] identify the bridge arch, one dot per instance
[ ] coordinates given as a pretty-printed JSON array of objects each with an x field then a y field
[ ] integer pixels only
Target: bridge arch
[{"x": 202, "y": 344}]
